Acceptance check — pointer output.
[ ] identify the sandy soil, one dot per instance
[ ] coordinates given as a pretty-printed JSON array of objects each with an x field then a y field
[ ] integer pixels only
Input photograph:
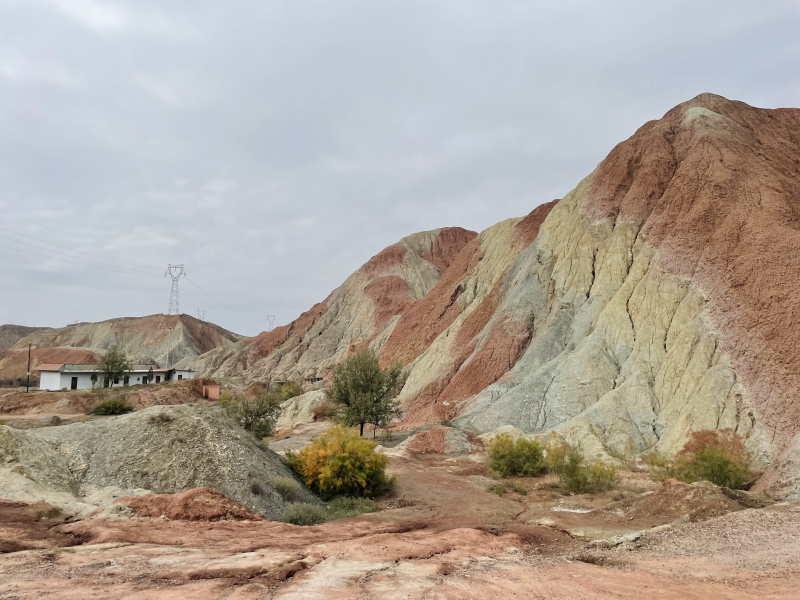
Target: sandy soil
[{"x": 440, "y": 535}]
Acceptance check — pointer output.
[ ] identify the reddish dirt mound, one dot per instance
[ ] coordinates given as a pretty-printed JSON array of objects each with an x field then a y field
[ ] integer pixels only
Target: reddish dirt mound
[
  {"x": 443, "y": 440},
  {"x": 198, "y": 504},
  {"x": 673, "y": 499}
]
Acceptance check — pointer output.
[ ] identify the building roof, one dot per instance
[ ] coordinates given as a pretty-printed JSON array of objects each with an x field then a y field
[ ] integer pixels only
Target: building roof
[
  {"x": 96, "y": 368},
  {"x": 50, "y": 367}
]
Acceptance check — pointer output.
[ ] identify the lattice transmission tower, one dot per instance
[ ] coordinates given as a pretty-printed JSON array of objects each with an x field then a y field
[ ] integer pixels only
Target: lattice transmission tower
[
  {"x": 270, "y": 322},
  {"x": 174, "y": 271}
]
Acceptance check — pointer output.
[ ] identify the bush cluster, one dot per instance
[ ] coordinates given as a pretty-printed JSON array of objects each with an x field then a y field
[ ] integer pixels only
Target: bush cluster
[
  {"x": 324, "y": 412},
  {"x": 522, "y": 457},
  {"x": 257, "y": 415},
  {"x": 341, "y": 507},
  {"x": 339, "y": 463},
  {"x": 511, "y": 457},
  {"x": 287, "y": 487},
  {"x": 111, "y": 407},
  {"x": 716, "y": 456}
]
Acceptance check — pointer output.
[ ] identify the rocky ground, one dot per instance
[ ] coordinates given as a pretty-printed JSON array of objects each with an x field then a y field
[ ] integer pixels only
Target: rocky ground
[{"x": 440, "y": 534}]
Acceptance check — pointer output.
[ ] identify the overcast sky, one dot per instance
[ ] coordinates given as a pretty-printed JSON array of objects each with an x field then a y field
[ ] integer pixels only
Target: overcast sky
[{"x": 275, "y": 146}]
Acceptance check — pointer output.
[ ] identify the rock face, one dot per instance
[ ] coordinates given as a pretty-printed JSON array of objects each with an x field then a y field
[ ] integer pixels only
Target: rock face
[
  {"x": 161, "y": 449},
  {"x": 144, "y": 339},
  {"x": 656, "y": 298},
  {"x": 299, "y": 410}
]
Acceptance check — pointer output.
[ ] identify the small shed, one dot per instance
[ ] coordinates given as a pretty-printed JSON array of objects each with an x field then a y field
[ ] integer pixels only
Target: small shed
[{"x": 211, "y": 392}]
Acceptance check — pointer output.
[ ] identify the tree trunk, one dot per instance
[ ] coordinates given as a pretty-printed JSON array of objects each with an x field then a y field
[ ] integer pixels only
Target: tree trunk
[{"x": 362, "y": 430}]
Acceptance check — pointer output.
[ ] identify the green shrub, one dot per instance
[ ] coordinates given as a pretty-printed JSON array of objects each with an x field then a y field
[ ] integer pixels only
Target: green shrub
[
  {"x": 499, "y": 489},
  {"x": 304, "y": 514},
  {"x": 287, "y": 487},
  {"x": 521, "y": 457},
  {"x": 257, "y": 415},
  {"x": 579, "y": 478},
  {"x": 325, "y": 411},
  {"x": 343, "y": 507},
  {"x": 111, "y": 407},
  {"x": 339, "y": 463},
  {"x": 255, "y": 487},
  {"x": 714, "y": 465},
  {"x": 716, "y": 456}
]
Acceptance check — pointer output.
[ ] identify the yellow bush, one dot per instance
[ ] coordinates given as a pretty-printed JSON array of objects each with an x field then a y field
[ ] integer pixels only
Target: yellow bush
[{"x": 339, "y": 463}]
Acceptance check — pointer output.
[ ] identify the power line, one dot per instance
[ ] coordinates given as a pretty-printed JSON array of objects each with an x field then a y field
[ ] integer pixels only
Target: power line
[
  {"x": 89, "y": 260},
  {"x": 73, "y": 249},
  {"x": 75, "y": 263},
  {"x": 210, "y": 296}
]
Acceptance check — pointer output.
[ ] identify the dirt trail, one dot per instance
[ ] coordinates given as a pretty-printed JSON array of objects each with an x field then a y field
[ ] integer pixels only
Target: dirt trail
[{"x": 441, "y": 535}]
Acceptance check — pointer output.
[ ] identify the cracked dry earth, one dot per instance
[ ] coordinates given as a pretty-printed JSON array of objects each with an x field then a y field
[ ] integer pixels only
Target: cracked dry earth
[{"x": 442, "y": 535}]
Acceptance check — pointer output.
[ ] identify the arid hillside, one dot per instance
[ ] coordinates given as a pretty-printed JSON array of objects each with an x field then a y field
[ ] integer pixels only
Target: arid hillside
[
  {"x": 11, "y": 334},
  {"x": 364, "y": 310},
  {"x": 656, "y": 298},
  {"x": 144, "y": 339}
]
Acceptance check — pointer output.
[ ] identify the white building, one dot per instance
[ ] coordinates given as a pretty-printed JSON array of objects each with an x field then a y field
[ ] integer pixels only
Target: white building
[{"x": 79, "y": 377}]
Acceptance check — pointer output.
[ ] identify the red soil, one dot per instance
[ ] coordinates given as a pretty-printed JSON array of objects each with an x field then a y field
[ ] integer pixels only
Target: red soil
[
  {"x": 430, "y": 441},
  {"x": 390, "y": 296},
  {"x": 447, "y": 246},
  {"x": 199, "y": 504},
  {"x": 720, "y": 198},
  {"x": 384, "y": 260},
  {"x": 528, "y": 228}
]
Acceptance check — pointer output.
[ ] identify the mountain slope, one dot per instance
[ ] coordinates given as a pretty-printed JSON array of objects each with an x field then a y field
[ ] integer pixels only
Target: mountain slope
[
  {"x": 657, "y": 298},
  {"x": 143, "y": 338},
  {"x": 11, "y": 334},
  {"x": 362, "y": 311}
]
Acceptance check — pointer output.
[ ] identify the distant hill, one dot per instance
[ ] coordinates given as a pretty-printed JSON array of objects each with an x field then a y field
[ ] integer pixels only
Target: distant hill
[
  {"x": 11, "y": 334},
  {"x": 165, "y": 339}
]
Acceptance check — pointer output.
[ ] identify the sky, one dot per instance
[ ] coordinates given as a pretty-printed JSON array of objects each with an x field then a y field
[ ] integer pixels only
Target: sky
[{"x": 273, "y": 147}]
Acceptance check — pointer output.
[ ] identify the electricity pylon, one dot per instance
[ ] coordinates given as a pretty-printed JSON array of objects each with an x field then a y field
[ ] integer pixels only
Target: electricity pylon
[
  {"x": 270, "y": 321},
  {"x": 174, "y": 271}
]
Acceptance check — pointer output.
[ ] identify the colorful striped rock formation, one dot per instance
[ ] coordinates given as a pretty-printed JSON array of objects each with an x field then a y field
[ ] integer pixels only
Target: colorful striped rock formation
[{"x": 658, "y": 297}]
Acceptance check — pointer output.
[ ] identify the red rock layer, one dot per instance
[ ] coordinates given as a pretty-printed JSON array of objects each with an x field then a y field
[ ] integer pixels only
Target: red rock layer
[
  {"x": 528, "y": 228},
  {"x": 448, "y": 244},
  {"x": 426, "y": 319},
  {"x": 719, "y": 196},
  {"x": 505, "y": 343},
  {"x": 385, "y": 259},
  {"x": 390, "y": 296},
  {"x": 198, "y": 504},
  {"x": 289, "y": 335}
]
